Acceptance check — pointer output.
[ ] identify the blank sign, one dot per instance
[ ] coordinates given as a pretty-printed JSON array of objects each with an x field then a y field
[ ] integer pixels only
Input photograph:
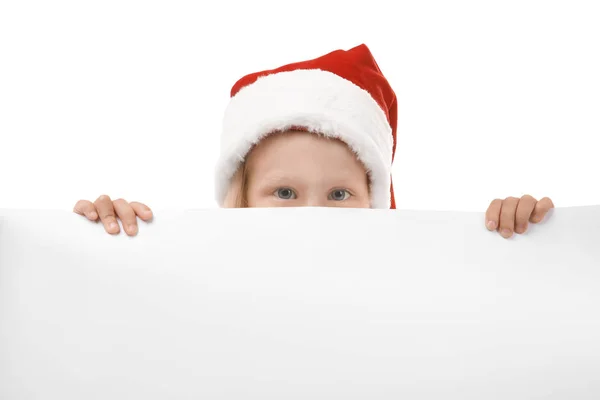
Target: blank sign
[{"x": 299, "y": 304}]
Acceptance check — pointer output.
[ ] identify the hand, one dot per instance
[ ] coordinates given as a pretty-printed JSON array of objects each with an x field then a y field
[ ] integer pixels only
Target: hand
[
  {"x": 105, "y": 208},
  {"x": 512, "y": 215}
]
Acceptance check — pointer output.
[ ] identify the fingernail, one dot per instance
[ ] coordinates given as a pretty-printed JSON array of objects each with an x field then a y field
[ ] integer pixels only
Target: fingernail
[
  {"x": 112, "y": 226},
  {"x": 132, "y": 228},
  {"x": 491, "y": 225},
  {"x": 93, "y": 215},
  {"x": 506, "y": 233}
]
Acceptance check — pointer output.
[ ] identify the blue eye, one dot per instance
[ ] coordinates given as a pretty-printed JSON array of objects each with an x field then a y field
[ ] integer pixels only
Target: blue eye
[
  {"x": 285, "y": 193},
  {"x": 339, "y": 195}
]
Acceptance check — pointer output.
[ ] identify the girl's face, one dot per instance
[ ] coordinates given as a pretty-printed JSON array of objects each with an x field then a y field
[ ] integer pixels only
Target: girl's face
[{"x": 299, "y": 169}]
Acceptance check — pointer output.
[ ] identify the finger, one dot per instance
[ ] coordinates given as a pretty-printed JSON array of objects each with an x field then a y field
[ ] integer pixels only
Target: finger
[
  {"x": 492, "y": 216},
  {"x": 87, "y": 209},
  {"x": 541, "y": 209},
  {"x": 524, "y": 209},
  {"x": 142, "y": 210},
  {"x": 507, "y": 216},
  {"x": 126, "y": 215},
  {"x": 104, "y": 207}
]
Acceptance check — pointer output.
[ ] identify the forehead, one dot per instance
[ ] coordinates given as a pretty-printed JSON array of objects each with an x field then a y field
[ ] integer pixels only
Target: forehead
[
  {"x": 296, "y": 143},
  {"x": 302, "y": 154}
]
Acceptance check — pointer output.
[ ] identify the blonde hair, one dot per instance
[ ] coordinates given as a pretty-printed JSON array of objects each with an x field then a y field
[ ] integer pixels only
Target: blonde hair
[{"x": 237, "y": 195}]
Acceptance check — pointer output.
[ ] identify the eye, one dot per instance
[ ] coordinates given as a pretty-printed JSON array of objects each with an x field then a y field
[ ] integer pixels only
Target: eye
[
  {"x": 339, "y": 195},
  {"x": 285, "y": 193}
]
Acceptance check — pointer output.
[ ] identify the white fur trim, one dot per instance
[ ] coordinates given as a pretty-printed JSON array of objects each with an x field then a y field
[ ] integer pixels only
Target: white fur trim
[{"x": 321, "y": 102}]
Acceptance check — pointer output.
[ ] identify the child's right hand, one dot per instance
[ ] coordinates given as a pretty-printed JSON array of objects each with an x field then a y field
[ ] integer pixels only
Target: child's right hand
[{"x": 105, "y": 208}]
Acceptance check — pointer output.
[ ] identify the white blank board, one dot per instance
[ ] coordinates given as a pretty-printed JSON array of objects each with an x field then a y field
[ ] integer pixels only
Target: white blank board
[{"x": 298, "y": 304}]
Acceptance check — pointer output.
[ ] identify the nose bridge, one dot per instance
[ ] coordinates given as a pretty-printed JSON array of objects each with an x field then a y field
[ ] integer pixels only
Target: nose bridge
[{"x": 314, "y": 199}]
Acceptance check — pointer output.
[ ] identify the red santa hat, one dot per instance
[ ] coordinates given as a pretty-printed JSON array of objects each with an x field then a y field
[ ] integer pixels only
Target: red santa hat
[{"x": 342, "y": 95}]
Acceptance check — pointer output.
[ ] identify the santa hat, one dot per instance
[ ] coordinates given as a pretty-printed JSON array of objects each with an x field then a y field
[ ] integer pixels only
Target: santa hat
[{"x": 342, "y": 95}]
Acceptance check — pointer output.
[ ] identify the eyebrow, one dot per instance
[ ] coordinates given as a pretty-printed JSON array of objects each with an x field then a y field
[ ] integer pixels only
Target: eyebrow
[{"x": 274, "y": 179}]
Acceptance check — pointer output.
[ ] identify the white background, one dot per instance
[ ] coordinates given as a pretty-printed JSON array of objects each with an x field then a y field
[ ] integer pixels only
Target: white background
[{"x": 496, "y": 98}]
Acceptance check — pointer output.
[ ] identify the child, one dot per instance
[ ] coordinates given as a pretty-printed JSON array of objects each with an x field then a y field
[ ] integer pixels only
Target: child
[{"x": 318, "y": 133}]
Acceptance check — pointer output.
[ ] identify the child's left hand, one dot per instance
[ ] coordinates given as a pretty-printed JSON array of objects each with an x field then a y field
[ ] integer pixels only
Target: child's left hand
[{"x": 512, "y": 215}]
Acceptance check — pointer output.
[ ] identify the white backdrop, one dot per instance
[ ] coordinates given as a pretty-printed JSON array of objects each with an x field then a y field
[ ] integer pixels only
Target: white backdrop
[{"x": 126, "y": 97}]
